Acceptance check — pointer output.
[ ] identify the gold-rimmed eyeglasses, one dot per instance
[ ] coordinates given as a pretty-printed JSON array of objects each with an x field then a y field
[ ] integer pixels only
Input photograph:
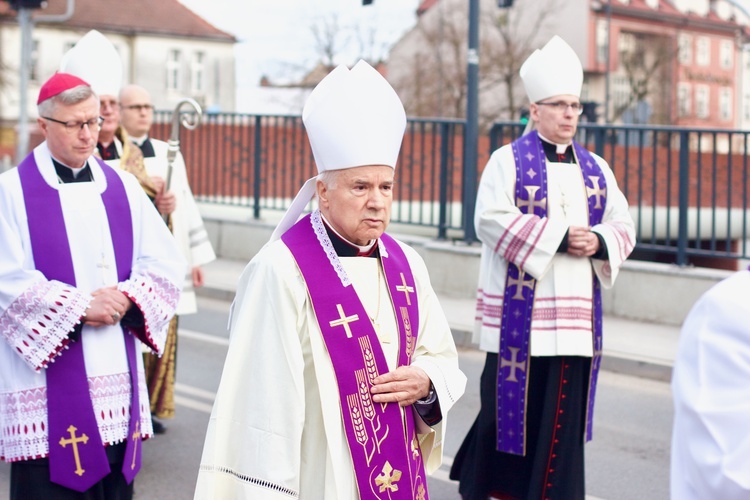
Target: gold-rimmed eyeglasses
[
  {"x": 139, "y": 107},
  {"x": 72, "y": 127},
  {"x": 562, "y": 107}
]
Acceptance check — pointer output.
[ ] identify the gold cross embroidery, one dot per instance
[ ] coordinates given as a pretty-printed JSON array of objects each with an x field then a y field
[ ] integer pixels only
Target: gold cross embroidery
[
  {"x": 531, "y": 202},
  {"x": 406, "y": 289},
  {"x": 74, "y": 441},
  {"x": 596, "y": 191},
  {"x": 344, "y": 320},
  {"x": 136, "y": 438},
  {"x": 519, "y": 284},
  {"x": 513, "y": 363}
]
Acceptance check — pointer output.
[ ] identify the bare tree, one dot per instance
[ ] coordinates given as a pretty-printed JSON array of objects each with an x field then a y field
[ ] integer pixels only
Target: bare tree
[
  {"x": 645, "y": 63},
  {"x": 435, "y": 83},
  {"x": 328, "y": 38}
]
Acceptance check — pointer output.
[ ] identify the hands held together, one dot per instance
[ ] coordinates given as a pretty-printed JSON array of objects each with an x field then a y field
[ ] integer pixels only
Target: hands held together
[
  {"x": 582, "y": 242},
  {"x": 107, "y": 307}
]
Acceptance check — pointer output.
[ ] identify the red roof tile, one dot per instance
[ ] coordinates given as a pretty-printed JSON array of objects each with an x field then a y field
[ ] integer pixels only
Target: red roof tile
[{"x": 156, "y": 17}]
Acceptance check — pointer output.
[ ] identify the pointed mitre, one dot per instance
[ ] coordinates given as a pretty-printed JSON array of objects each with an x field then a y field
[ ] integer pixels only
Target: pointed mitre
[
  {"x": 94, "y": 59},
  {"x": 553, "y": 70},
  {"x": 353, "y": 118}
]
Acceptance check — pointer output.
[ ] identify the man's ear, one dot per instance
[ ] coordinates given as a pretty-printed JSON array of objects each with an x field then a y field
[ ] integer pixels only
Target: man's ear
[
  {"x": 322, "y": 191},
  {"x": 43, "y": 126}
]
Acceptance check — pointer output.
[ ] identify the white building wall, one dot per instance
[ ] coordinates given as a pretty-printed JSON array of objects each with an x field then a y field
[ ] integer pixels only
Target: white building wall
[{"x": 144, "y": 62}]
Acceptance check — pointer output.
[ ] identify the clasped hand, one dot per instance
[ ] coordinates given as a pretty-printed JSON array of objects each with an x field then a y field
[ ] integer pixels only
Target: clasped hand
[
  {"x": 108, "y": 305},
  {"x": 404, "y": 385},
  {"x": 582, "y": 242}
]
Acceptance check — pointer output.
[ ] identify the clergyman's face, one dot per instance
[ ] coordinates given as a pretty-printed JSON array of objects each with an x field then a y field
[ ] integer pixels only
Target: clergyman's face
[
  {"x": 136, "y": 111},
  {"x": 357, "y": 203},
  {"x": 110, "y": 111},
  {"x": 557, "y": 125},
  {"x": 71, "y": 147}
]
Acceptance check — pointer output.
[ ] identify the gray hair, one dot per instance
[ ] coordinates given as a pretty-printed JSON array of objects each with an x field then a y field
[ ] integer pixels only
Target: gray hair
[
  {"x": 329, "y": 178},
  {"x": 68, "y": 97}
]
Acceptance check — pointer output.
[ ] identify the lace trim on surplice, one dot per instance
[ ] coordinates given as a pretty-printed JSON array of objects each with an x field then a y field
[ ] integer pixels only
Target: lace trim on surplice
[{"x": 38, "y": 322}]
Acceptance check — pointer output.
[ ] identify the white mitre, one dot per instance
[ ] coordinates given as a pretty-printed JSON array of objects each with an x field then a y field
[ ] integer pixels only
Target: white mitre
[
  {"x": 353, "y": 118},
  {"x": 94, "y": 59},
  {"x": 553, "y": 70}
]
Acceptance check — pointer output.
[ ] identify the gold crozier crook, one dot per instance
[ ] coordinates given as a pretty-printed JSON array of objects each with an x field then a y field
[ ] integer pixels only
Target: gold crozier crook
[{"x": 188, "y": 120}]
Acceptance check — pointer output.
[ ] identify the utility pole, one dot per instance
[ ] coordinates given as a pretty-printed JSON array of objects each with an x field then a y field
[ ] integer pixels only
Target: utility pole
[
  {"x": 606, "y": 59},
  {"x": 471, "y": 146},
  {"x": 26, "y": 26}
]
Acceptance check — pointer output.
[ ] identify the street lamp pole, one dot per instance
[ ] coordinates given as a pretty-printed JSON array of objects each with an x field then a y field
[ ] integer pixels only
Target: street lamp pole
[
  {"x": 471, "y": 146},
  {"x": 606, "y": 61}
]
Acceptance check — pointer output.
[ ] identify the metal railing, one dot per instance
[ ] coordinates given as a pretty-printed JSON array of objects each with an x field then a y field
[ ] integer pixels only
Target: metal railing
[{"x": 687, "y": 188}]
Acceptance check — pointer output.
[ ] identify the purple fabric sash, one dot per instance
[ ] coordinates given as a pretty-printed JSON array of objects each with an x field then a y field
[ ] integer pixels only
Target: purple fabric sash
[
  {"x": 382, "y": 438},
  {"x": 76, "y": 453},
  {"x": 518, "y": 299}
]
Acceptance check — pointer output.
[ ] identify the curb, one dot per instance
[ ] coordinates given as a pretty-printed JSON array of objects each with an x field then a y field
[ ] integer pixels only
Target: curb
[{"x": 612, "y": 361}]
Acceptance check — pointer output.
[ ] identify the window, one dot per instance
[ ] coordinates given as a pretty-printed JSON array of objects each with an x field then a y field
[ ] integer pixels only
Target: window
[
  {"x": 725, "y": 103},
  {"x": 726, "y": 54},
  {"x": 198, "y": 73},
  {"x": 683, "y": 99},
  {"x": 703, "y": 51},
  {"x": 601, "y": 41},
  {"x": 174, "y": 76},
  {"x": 701, "y": 101},
  {"x": 685, "y": 49},
  {"x": 626, "y": 43},
  {"x": 34, "y": 61}
]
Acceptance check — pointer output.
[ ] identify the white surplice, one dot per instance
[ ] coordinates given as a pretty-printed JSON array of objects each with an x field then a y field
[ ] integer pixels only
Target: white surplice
[
  {"x": 276, "y": 430},
  {"x": 563, "y": 300},
  {"x": 37, "y": 314},
  {"x": 711, "y": 390},
  {"x": 187, "y": 223}
]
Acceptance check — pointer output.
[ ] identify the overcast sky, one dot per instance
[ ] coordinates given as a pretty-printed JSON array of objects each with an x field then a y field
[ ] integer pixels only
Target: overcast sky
[{"x": 275, "y": 36}]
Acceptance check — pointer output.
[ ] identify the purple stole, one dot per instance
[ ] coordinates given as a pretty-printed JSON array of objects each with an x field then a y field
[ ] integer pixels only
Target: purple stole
[
  {"x": 382, "y": 438},
  {"x": 518, "y": 299},
  {"x": 76, "y": 453}
]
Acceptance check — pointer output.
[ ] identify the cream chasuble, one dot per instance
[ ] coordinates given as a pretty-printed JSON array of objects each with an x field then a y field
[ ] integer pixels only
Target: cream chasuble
[
  {"x": 276, "y": 429},
  {"x": 711, "y": 389},
  {"x": 562, "y": 316}
]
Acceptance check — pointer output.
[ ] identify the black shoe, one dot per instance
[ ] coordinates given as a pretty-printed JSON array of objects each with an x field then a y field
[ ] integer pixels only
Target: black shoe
[{"x": 159, "y": 428}]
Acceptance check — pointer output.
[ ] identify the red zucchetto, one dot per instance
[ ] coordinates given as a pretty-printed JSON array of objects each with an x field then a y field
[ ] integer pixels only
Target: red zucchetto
[{"x": 58, "y": 83}]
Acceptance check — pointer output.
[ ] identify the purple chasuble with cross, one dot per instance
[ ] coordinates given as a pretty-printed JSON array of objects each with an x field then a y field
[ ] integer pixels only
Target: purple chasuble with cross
[
  {"x": 382, "y": 438},
  {"x": 518, "y": 299},
  {"x": 76, "y": 453}
]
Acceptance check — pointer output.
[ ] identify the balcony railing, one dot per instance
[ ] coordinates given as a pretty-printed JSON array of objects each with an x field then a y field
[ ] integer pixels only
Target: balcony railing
[{"x": 687, "y": 188}]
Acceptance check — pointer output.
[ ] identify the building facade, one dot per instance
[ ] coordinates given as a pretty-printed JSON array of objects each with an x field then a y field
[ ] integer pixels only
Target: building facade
[
  {"x": 646, "y": 61},
  {"x": 164, "y": 46}
]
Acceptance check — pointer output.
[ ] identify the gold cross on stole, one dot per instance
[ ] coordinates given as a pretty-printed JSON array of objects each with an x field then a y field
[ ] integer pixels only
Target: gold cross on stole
[
  {"x": 74, "y": 441},
  {"x": 406, "y": 289},
  {"x": 344, "y": 320},
  {"x": 136, "y": 437}
]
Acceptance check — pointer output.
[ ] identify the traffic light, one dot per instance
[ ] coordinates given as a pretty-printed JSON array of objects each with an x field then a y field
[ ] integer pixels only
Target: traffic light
[
  {"x": 524, "y": 116},
  {"x": 25, "y": 4},
  {"x": 504, "y": 3}
]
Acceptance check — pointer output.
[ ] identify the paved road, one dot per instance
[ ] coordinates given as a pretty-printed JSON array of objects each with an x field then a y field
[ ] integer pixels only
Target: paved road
[{"x": 629, "y": 457}]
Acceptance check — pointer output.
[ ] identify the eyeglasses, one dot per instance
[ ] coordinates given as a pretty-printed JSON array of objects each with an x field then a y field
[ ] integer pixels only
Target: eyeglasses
[
  {"x": 140, "y": 107},
  {"x": 72, "y": 127},
  {"x": 562, "y": 107}
]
